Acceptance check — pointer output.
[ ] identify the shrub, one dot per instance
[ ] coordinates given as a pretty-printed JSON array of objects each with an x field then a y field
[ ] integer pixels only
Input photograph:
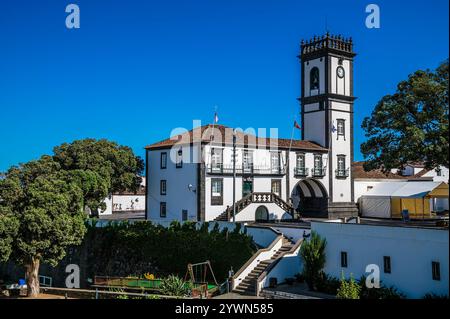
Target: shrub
[
  {"x": 349, "y": 289},
  {"x": 175, "y": 286},
  {"x": 379, "y": 293},
  {"x": 328, "y": 284},
  {"x": 312, "y": 253}
]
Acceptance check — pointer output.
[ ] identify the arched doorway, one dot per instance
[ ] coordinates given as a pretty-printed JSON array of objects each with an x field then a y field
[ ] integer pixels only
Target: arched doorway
[
  {"x": 310, "y": 198},
  {"x": 262, "y": 214}
]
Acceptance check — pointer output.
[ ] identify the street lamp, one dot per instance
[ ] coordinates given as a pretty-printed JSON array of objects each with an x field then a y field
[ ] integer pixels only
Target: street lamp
[{"x": 234, "y": 176}]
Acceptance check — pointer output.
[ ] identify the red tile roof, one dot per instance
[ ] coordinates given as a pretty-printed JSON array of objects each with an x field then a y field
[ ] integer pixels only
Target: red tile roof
[
  {"x": 225, "y": 135},
  {"x": 359, "y": 172}
]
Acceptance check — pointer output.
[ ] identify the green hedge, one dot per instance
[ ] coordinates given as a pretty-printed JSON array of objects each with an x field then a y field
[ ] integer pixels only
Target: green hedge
[{"x": 122, "y": 249}]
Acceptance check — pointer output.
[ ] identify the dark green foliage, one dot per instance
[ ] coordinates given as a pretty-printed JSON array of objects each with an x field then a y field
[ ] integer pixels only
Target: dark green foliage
[
  {"x": 379, "y": 293},
  {"x": 312, "y": 253},
  {"x": 327, "y": 284},
  {"x": 121, "y": 249},
  {"x": 410, "y": 125},
  {"x": 41, "y": 212},
  {"x": 99, "y": 167}
]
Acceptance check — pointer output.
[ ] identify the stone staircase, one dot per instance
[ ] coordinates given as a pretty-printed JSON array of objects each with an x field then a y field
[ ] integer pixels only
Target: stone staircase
[
  {"x": 248, "y": 285},
  {"x": 262, "y": 198}
]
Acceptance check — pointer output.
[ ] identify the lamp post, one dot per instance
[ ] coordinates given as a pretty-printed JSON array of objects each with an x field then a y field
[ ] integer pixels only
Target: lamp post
[{"x": 234, "y": 176}]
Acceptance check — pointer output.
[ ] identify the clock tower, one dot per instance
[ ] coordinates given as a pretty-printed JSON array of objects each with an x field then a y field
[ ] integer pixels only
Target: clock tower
[{"x": 327, "y": 114}]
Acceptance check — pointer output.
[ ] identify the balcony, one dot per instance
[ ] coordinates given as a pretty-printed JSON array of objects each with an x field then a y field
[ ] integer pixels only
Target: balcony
[
  {"x": 301, "y": 171},
  {"x": 318, "y": 172},
  {"x": 341, "y": 173},
  {"x": 222, "y": 169}
]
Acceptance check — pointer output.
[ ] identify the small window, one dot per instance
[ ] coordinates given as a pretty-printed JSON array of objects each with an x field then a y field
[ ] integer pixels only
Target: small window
[
  {"x": 276, "y": 186},
  {"x": 341, "y": 127},
  {"x": 179, "y": 160},
  {"x": 301, "y": 160},
  {"x": 162, "y": 210},
  {"x": 436, "y": 268},
  {"x": 341, "y": 169},
  {"x": 318, "y": 166},
  {"x": 163, "y": 160},
  {"x": 369, "y": 188},
  {"x": 438, "y": 172},
  {"x": 314, "y": 79},
  {"x": 184, "y": 215},
  {"x": 163, "y": 187},
  {"x": 387, "y": 264},
  {"x": 216, "y": 191},
  {"x": 275, "y": 162},
  {"x": 343, "y": 259}
]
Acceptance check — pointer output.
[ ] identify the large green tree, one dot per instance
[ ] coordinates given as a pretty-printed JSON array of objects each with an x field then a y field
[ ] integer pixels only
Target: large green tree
[
  {"x": 42, "y": 202},
  {"x": 410, "y": 125},
  {"x": 42, "y": 214},
  {"x": 100, "y": 167}
]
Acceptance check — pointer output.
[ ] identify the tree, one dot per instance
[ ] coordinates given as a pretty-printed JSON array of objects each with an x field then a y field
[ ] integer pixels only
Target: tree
[
  {"x": 100, "y": 167},
  {"x": 410, "y": 125},
  {"x": 312, "y": 253},
  {"x": 44, "y": 212}
]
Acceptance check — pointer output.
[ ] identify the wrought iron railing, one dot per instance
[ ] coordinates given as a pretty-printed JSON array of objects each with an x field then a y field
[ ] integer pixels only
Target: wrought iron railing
[
  {"x": 223, "y": 169},
  {"x": 318, "y": 172},
  {"x": 342, "y": 172},
  {"x": 301, "y": 171}
]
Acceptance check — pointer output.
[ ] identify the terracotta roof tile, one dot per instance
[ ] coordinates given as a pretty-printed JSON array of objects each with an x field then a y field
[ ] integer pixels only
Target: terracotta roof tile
[
  {"x": 224, "y": 134},
  {"x": 359, "y": 172}
]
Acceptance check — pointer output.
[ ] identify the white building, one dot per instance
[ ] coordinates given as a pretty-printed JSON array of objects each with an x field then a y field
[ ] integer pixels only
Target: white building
[
  {"x": 125, "y": 202},
  {"x": 413, "y": 259},
  {"x": 189, "y": 176}
]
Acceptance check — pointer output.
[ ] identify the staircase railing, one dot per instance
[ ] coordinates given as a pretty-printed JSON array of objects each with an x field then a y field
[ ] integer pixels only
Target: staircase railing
[
  {"x": 259, "y": 198},
  {"x": 260, "y": 255},
  {"x": 294, "y": 252}
]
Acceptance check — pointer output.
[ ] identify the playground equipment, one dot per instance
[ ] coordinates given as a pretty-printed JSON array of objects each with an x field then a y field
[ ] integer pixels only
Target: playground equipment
[
  {"x": 198, "y": 273},
  {"x": 198, "y": 277}
]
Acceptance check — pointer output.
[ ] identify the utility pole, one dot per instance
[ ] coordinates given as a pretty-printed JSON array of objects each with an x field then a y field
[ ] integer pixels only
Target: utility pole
[{"x": 234, "y": 176}]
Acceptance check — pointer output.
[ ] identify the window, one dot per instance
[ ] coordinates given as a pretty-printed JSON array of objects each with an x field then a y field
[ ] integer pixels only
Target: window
[
  {"x": 163, "y": 187},
  {"x": 318, "y": 169},
  {"x": 179, "y": 159},
  {"x": 216, "y": 159},
  {"x": 216, "y": 191},
  {"x": 340, "y": 127},
  {"x": 436, "y": 268},
  {"x": 343, "y": 259},
  {"x": 162, "y": 209},
  {"x": 247, "y": 186},
  {"x": 275, "y": 162},
  {"x": 341, "y": 170},
  {"x": 184, "y": 215},
  {"x": 163, "y": 160},
  {"x": 300, "y": 165},
  {"x": 387, "y": 264},
  {"x": 276, "y": 186},
  {"x": 369, "y": 188},
  {"x": 247, "y": 161},
  {"x": 438, "y": 172},
  {"x": 314, "y": 79}
]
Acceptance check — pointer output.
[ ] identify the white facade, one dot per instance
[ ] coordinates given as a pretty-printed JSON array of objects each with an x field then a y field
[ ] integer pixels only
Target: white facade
[
  {"x": 186, "y": 187},
  {"x": 411, "y": 250}
]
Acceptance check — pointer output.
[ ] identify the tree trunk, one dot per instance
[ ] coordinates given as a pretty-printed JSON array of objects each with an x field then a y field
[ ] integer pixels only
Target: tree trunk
[{"x": 33, "y": 277}]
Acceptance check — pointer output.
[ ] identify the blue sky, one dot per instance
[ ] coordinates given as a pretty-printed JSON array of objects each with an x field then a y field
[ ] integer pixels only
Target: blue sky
[{"x": 137, "y": 69}]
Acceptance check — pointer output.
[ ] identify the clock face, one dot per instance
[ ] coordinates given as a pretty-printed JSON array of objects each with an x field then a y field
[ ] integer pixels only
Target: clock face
[{"x": 340, "y": 72}]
